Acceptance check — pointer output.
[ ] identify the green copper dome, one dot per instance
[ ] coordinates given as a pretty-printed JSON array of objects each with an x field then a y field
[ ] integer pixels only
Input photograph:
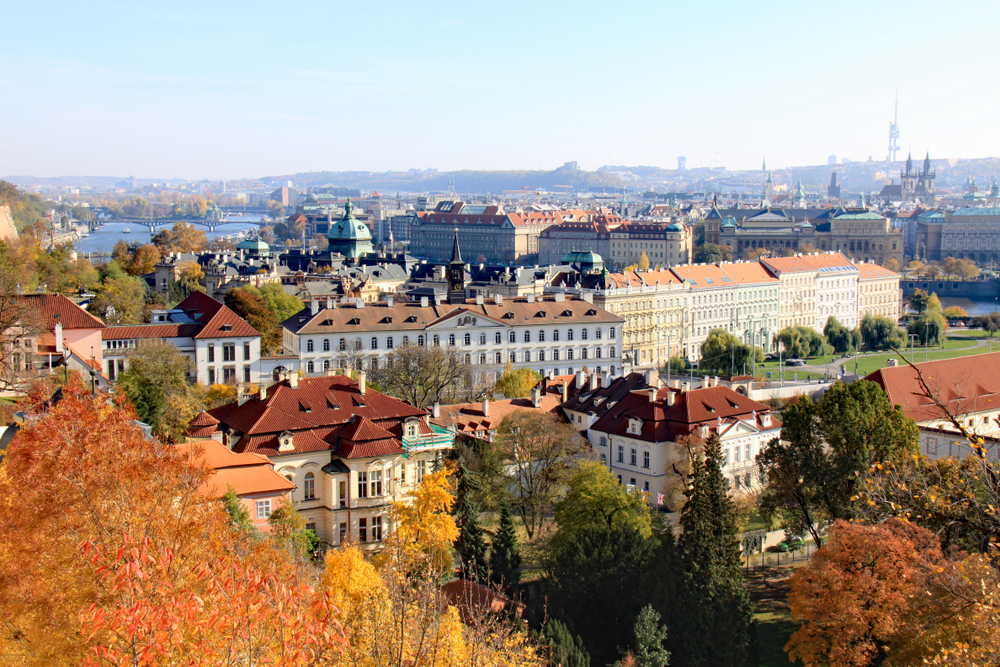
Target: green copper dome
[
  {"x": 675, "y": 227},
  {"x": 254, "y": 245},
  {"x": 729, "y": 221},
  {"x": 349, "y": 236}
]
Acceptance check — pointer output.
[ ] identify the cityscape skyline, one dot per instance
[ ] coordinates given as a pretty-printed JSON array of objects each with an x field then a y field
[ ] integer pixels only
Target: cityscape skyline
[{"x": 229, "y": 91}]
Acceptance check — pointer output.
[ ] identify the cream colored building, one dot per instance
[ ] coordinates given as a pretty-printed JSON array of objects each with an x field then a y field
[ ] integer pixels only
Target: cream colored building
[
  {"x": 712, "y": 305},
  {"x": 797, "y": 290},
  {"x": 878, "y": 292},
  {"x": 664, "y": 245}
]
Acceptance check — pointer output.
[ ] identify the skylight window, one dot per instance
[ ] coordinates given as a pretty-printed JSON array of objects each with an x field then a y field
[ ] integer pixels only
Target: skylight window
[{"x": 709, "y": 281}]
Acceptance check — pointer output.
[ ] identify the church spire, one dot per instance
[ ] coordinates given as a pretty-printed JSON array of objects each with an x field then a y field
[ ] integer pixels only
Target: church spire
[
  {"x": 909, "y": 164},
  {"x": 456, "y": 252}
]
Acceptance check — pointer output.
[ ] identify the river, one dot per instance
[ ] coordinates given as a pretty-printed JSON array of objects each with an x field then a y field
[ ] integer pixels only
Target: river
[
  {"x": 103, "y": 239},
  {"x": 972, "y": 307}
]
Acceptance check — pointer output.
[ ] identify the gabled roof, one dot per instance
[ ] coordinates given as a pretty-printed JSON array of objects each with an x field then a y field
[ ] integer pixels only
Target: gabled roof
[
  {"x": 166, "y": 330},
  {"x": 714, "y": 407},
  {"x": 248, "y": 474},
  {"x": 602, "y": 399},
  {"x": 469, "y": 417},
  {"x": 70, "y": 315},
  {"x": 964, "y": 384},
  {"x": 217, "y": 320}
]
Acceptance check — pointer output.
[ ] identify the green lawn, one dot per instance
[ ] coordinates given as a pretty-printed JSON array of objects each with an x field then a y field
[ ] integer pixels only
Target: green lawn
[{"x": 768, "y": 590}]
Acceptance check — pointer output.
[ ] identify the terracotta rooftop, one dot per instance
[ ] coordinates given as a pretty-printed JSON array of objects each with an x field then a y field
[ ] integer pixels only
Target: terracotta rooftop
[
  {"x": 870, "y": 270},
  {"x": 248, "y": 474},
  {"x": 217, "y": 320},
  {"x": 748, "y": 273},
  {"x": 70, "y": 315},
  {"x": 167, "y": 330},
  {"x": 468, "y": 418},
  {"x": 703, "y": 276},
  {"x": 963, "y": 384}
]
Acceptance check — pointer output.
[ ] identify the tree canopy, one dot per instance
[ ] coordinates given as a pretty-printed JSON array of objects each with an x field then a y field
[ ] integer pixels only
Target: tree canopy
[
  {"x": 801, "y": 342},
  {"x": 722, "y": 352}
]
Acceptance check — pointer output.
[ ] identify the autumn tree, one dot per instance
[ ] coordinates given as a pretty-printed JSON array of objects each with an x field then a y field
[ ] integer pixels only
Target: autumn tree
[
  {"x": 120, "y": 298},
  {"x": 258, "y": 314},
  {"x": 119, "y": 559},
  {"x": 710, "y": 253},
  {"x": 541, "y": 452},
  {"x": 643, "y": 261},
  {"x": 855, "y": 597},
  {"x": 155, "y": 382},
  {"x": 892, "y": 264},
  {"x": 930, "y": 327},
  {"x": 517, "y": 383},
  {"x": 954, "y": 312},
  {"x": 189, "y": 277},
  {"x": 182, "y": 237},
  {"x": 281, "y": 302},
  {"x": 918, "y": 299}
]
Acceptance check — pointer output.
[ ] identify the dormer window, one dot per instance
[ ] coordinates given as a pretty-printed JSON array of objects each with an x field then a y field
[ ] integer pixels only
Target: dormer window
[
  {"x": 635, "y": 426},
  {"x": 703, "y": 430},
  {"x": 354, "y": 320},
  {"x": 227, "y": 327},
  {"x": 411, "y": 430},
  {"x": 765, "y": 420},
  {"x": 285, "y": 442}
]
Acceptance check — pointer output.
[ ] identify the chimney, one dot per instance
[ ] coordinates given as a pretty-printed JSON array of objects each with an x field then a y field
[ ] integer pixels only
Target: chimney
[
  {"x": 671, "y": 397},
  {"x": 263, "y": 394},
  {"x": 715, "y": 381},
  {"x": 653, "y": 378},
  {"x": 685, "y": 387},
  {"x": 676, "y": 384},
  {"x": 595, "y": 381},
  {"x": 560, "y": 297},
  {"x": 479, "y": 299},
  {"x": 565, "y": 392},
  {"x": 436, "y": 410},
  {"x": 588, "y": 297},
  {"x": 531, "y": 298},
  {"x": 536, "y": 397},
  {"x": 498, "y": 299},
  {"x": 424, "y": 302},
  {"x": 652, "y": 395},
  {"x": 389, "y": 301},
  {"x": 241, "y": 395},
  {"x": 314, "y": 306},
  {"x": 486, "y": 407},
  {"x": 359, "y": 302},
  {"x": 706, "y": 382},
  {"x": 59, "y": 336},
  {"x": 581, "y": 379},
  {"x": 605, "y": 378},
  {"x": 362, "y": 382},
  {"x": 293, "y": 380},
  {"x": 331, "y": 372}
]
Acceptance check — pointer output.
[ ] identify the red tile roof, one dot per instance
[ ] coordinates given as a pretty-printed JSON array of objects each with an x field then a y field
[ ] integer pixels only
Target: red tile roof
[
  {"x": 469, "y": 417},
  {"x": 131, "y": 331},
  {"x": 715, "y": 407},
  {"x": 71, "y": 316},
  {"x": 215, "y": 317},
  {"x": 964, "y": 384}
]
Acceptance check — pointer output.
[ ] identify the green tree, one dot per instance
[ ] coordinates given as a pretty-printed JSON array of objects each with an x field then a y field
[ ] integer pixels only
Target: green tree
[
  {"x": 239, "y": 516},
  {"x": 119, "y": 300},
  {"x": 714, "y": 595},
  {"x": 281, "y": 302},
  {"x": 880, "y": 333},
  {"x": 990, "y": 323},
  {"x": 258, "y": 314},
  {"x": 471, "y": 546},
  {"x": 505, "y": 555},
  {"x": 812, "y": 473},
  {"x": 918, "y": 299},
  {"x": 802, "y": 342},
  {"x": 711, "y": 253},
  {"x": 289, "y": 527},
  {"x": 930, "y": 327},
  {"x": 840, "y": 337},
  {"x": 649, "y": 640},
  {"x": 516, "y": 383},
  {"x": 155, "y": 381},
  {"x": 597, "y": 586},
  {"x": 723, "y": 352},
  {"x": 596, "y": 499},
  {"x": 567, "y": 649}
]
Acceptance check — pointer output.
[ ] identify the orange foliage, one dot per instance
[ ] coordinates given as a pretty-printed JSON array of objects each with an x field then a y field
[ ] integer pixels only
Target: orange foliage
[
  {"x": 109, "y": 555},
  {"x": 857, "y": 595}
]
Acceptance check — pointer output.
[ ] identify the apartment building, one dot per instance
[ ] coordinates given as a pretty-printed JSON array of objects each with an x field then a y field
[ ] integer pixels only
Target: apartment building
[
  {"x": 878, "y": 292},
  {"x": 664, "y": 245},
  {"x": 712, "y": 305},
  {"x": 796, "y": 290},
  {"x": 757, "y": 302}
]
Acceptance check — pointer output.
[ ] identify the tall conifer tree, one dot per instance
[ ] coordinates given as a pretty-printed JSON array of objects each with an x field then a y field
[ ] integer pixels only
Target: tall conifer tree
[
  {"x": 505, "y": 560},
  {"x": 470, "y": 545}
]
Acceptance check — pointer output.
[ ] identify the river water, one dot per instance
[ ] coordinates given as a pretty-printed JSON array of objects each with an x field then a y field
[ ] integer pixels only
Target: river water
[
  {"x": 972, "y": 307},
  {"x": 103, "y": 239}
]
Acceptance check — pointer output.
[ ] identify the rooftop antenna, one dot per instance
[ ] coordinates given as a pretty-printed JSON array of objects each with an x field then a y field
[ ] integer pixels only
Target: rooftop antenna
[{"x": 894, "y": 131}]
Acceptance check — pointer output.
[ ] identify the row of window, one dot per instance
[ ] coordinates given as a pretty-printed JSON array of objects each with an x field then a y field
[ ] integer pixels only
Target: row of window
[
  {"x": 228, "y": 352},
  {"x": 342, "y": 344},
  {"x": 228, "y": 375}
]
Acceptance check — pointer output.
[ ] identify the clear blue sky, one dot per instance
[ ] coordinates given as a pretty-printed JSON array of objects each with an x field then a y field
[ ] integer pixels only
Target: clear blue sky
[{"x": 222, "y": 89}]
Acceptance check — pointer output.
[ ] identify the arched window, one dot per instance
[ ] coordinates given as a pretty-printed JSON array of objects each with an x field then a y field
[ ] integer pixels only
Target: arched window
[
  {"x": 497, "y": 338},
  {"x": 482, "y": 359},
  {"x": 420, "y": 341},
  {"x": 583, "y": 353},
  {"x": 612, "y": 353},
  {"x": 482, "y": 339},
  {"x": 541, "y": 336},
  {"x": 583, "y": 335},
  {"x": 343, "y": 344},
  {"x": 569, "y": 334},
  {"x": 437, "y": 341},
  {"x": 512, "y": 337},
  {"x": 468, "y": 339},
  {"x": 374, "y": 343},
  {"x": 357, "y": 344},
  {"x": 569, "y": 355},
  {"x": 498, "y": 359},
  {"x": 406, "y": 340},
  {"x": 451, "y": 340},
  {"x": 388, "y": 343},
  {"x": 326, "y": 364},
  {"x": 468, "y": 359},
  {"x": 309, "y": 487},
  {"x": 309, "y": 345},
  {"x": 541, "y": 355},
  {"x": 611, "y": 334},
  {"x": 527, "y": 336},
  {"x": 310, "y": 367},
  {"x": 555, "y": 335},
  {"x": 374, "y": 364},
  {"x": 326, "y": 344},
  {"x": 555, "y": 355},
  {"x": 597, "y": 353}
]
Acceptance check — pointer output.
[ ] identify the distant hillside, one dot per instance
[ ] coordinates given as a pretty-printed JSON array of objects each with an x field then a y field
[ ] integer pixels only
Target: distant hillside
[{"x": 465, "y": 181}]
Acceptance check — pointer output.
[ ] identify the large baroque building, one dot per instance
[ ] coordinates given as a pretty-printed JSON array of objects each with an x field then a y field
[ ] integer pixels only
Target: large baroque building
[
  {"x": 487, "y": 232},
  {"x": 663, "y": 245},
  {"x": 966, "y": 233}
]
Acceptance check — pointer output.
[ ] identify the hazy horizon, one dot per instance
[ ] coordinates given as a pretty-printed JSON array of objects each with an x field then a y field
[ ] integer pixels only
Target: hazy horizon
[{"x": 224, "y": 91}]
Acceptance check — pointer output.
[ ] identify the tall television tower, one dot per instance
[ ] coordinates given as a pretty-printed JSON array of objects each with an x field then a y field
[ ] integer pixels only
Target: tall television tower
[{"x": 894, "y": 132}]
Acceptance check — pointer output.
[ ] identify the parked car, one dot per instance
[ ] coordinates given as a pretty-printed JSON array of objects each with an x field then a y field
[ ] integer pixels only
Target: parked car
[
  {"x": 796, "y": 362},
  {"x": 793, "y": 544}
]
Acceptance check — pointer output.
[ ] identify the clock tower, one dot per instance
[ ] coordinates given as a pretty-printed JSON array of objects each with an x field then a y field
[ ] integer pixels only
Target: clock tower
[{"x": 456, "y": 275}]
